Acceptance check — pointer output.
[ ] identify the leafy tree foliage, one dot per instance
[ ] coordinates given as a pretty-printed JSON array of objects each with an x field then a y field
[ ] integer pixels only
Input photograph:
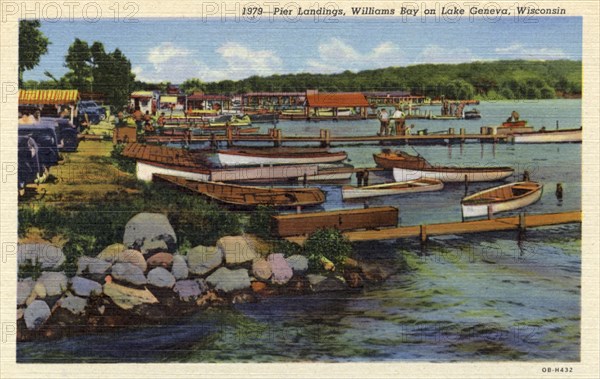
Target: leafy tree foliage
[{"x": 32, "y": 45}]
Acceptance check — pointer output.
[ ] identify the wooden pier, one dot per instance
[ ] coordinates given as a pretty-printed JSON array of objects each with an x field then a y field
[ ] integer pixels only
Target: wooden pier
[
  {"x": 523, "y": 221},
  {"x": 325, "y": 138}
]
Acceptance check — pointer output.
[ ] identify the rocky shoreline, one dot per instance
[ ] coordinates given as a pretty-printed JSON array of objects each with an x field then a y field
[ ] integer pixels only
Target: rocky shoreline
[{"x": 146, "y": 279}]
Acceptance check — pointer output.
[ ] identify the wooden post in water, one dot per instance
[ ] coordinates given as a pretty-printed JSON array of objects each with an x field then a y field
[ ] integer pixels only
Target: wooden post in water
[
  {"x": 325, "y": 135},
  {"x": 466, "y": 184},
  {"x": 423, "y": 233},
  {"x": 278, "y": 134},
  {"x": 462, "y": 133},
  {"x": 490, "y": 213},
  {"x": 556, "y": 124},
  {"x": 522, "y": 223},
  {"x": 451, "y": 131},
  {"x": 229, "y": 133}
]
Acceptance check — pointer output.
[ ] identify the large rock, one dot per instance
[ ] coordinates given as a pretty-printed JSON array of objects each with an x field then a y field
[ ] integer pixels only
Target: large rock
[
  {"x": 298, "y": 263},
  {"x": 180, "y": 268},
  {"x": 314, "y": 279},
  {"x": 374, "y": 271},
  {"x": 187, "y": 289},
  {"x": 134, "y": 257},
  {"x": 227, "y": 280},
  {"x": 149, "y": 227},
  {"x": 92, "y": 265},
  {"x": 54, "y": 282},
  {"x": 238, "y": 249},
  {"x": 24, "y": 288},
  {"x": 160, "y": 260},
  {"x": 155, "y": 246},
  {"x": 85, "y": 287},
  {"x": 111, "y": 252},
  {"x": 282, "y": 272},
  {"x": 49, "y": 256},
  {"x": 36, "y": 314},
  {"x": 74, "y": 304},
  {"x": 261, "y": 269},
  {"x": 129, "y": 273},
  {"x": 161, "y": 277},
  {"x": 203, "y": 259}
]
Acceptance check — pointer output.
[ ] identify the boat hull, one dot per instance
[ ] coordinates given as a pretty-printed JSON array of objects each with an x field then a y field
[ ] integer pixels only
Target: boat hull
[
  {"x": 553, "y": 136},
  {"x": 249, "y": 196},
  {"x": 413, "y": 186},
  {"x": 453, "y": 174},
  {"x": 483, "y": 209},
  {"x": 145, "y": 170},
  {"x": 233, "y": 159}
]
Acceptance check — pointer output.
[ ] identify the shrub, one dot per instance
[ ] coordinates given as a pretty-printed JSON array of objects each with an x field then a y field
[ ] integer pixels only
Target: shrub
[
  {"x": 123, "y": 163},
  {"x": 328, "y": 243},
  {"x": 260, "y": 221}
]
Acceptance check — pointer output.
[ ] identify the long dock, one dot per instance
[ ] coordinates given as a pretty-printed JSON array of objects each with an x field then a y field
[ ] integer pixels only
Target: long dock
[
  {"x": 523, "y": 221},
  {"x": 276, "y": 137}
]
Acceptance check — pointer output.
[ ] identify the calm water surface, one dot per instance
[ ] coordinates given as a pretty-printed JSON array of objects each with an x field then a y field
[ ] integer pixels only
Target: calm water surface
[{"x": 495, "y": 296}]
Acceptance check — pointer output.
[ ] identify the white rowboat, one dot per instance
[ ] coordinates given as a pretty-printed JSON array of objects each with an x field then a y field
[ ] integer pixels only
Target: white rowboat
[
  {"x": 412, "y": 186},
  {"x": 449, "y": 174},
  {"x": 253, "y": 157},
  {"x": 502, "y": 198},
  {"x": 549, "y": 136}
]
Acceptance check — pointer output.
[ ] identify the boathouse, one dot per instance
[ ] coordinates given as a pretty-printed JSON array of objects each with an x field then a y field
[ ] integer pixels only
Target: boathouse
[
  {"x": 200, "y": 101},
  {"x": 273, "y": 101},
  {"x": 144, "y": 101},
  {"x": 340, "y": 105},
  {"x": 392, "y": 98}
]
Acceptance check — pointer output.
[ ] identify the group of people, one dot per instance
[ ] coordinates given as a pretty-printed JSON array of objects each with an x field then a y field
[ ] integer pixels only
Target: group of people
[
  {"x": 396, "y": 123},
  {"x": 143, "y": 121}
]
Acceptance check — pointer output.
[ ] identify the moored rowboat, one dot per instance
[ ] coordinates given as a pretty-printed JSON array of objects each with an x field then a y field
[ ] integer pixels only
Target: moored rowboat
[
  {"x": 549, "y": 136},
  {"x": 449, "y": 174},
  {"x": 247, "y": 157},
  {"x": 412, "y": 186},
  {"x": 248, "y": 196},
  {"x": 502, "y": 198}
]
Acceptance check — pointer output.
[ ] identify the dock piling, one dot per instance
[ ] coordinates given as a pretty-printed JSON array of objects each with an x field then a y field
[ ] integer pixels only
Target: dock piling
[
  {"x": 522, "y": 221},
  {"x": 423, "y": 233}
]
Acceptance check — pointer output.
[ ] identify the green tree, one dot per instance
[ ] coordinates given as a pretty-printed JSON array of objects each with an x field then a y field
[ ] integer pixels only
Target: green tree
[
  {"x": 79, "y": 62},
  {"x": 193, "y": 85},
  {"x": 32, "y": 45}
]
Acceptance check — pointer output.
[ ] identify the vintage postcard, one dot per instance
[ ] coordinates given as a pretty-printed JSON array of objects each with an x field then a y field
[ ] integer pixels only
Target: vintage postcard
[{"x": 292, "y": 188}]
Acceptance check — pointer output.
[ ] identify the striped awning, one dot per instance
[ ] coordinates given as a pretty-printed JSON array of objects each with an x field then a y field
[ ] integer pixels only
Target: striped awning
[{"x": 48, "y": 96}]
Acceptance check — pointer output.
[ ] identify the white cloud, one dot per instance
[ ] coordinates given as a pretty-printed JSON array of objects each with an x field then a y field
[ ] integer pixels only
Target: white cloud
[
  {"x": 335, "y": 55},
  {"x": 167, "y": 62},
  {"x": 437, "y": 54},
  {"x": 242, "y": 62},
  {"x": 520, "y": 51}
]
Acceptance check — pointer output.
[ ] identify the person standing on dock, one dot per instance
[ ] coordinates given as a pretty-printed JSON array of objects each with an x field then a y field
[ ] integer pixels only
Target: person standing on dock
[
  {"x": 399, "y": 121},
  {"x": 384, "y": 120}
]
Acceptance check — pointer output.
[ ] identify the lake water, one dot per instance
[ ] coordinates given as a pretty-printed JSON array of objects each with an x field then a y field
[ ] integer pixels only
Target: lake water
[{"x": 493, "y": 296}]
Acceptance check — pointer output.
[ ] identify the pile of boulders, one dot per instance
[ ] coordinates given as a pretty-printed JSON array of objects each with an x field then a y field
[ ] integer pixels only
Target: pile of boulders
[{"x": 145, "y": 278}]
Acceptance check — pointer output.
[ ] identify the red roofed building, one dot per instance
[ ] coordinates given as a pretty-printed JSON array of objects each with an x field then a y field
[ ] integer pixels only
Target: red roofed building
[{"x": 334, "y": 105}]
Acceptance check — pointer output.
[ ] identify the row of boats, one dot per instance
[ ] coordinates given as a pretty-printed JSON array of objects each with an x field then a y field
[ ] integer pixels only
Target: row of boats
[{"x": 412, "y": 174}]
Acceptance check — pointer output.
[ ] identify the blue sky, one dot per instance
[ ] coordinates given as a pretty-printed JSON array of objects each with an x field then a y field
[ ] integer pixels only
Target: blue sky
[{"x": 175, "y": 50}]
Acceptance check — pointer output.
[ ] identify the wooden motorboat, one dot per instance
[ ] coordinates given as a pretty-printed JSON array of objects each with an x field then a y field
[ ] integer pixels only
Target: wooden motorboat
[
  {"x": 409, "y": 167},
  {"x": 511, "y": 127},
  {"x": 389, "y": 159},
  {"x": 502, "y": 198},
  {"x": 412, "y": 186},
  {"x": 472, "y": 114},
  {"x": 274, "y": 156},
  {"x": 248, "y": 196},
  {"x": 549, "y": 136}
]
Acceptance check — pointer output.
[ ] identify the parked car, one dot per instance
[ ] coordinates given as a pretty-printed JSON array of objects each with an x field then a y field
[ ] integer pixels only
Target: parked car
[
  {"x": 28, "y": 162},
  {"x": 44, "y": 135},
  {"x": 66, "y": 133},
  {"x": 89, "y": 106}
]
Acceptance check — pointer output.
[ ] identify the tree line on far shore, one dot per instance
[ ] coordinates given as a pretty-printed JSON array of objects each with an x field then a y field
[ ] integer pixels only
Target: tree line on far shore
[{"x": 94, "y": 70}]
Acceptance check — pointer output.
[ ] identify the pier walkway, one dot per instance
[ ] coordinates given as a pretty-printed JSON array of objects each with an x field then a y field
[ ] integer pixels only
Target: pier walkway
[{"x": 522, "y": 221}]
